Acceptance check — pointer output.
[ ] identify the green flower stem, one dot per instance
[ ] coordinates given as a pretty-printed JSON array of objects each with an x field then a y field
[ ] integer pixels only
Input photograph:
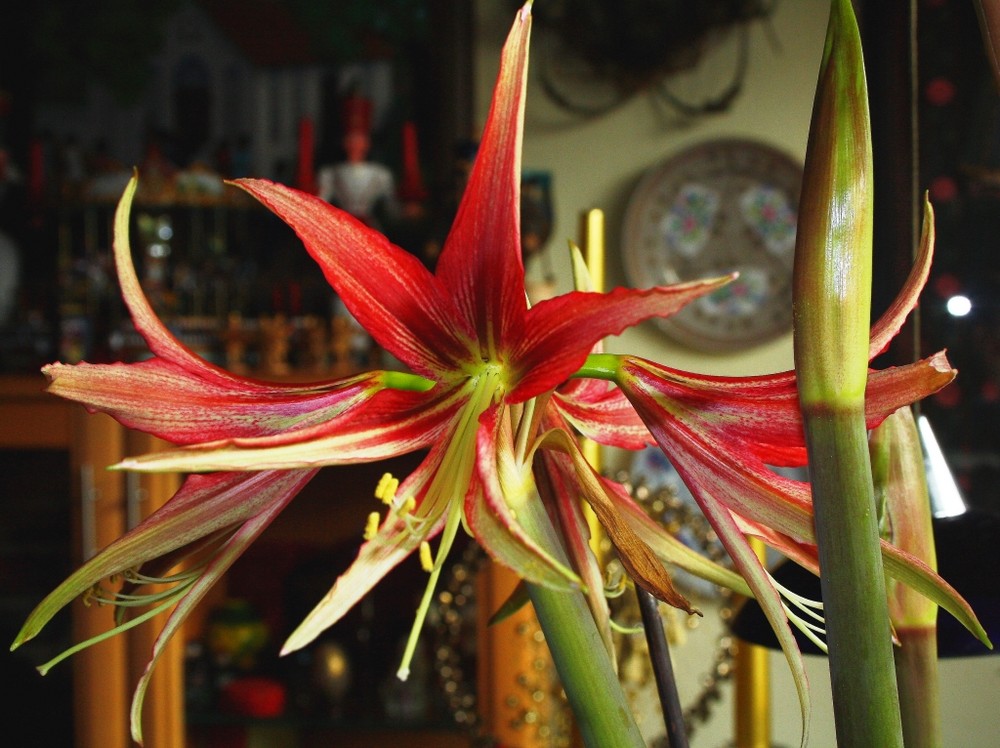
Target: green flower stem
[
  {"x": 595, "y": 695},
  {"x": 862, "y": 673},
  {"x": 916, "y": 671},
  {"x": 600, "y": 366}
]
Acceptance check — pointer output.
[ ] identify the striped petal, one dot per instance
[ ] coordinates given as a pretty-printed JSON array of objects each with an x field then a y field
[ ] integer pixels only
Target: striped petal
[
  {"x": 396, "y": 423},
  {"x": 480, "y": 263},
  {"x": 762, "y": 412},
  {"x": 602, "y": 413},
  {"x": 160, "y": 340},
  {"x": 163, "y": 398},
  {"x": 221, "y": 561},
  {"x": 723, "y": 473},
  {"x": 398, "y": 535},
  {"x": 561, "y": 332},
  {"x": 388, "y": 290}
]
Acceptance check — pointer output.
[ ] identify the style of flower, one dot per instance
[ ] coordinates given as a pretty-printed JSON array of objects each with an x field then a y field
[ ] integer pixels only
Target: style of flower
[{"x": 478, "y": 358}]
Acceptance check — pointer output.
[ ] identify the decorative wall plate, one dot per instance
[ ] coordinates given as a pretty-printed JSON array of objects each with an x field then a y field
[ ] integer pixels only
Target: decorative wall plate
[{"x": 720, "y": 206}]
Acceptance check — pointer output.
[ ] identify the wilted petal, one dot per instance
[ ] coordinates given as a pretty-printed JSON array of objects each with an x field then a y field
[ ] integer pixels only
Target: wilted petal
[
  {"x": 635, "y": 555},
  {"x": 667, "y": 547}
]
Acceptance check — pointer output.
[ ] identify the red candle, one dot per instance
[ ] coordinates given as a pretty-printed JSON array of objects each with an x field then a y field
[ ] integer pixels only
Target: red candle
[
  {"x": 411, "y": 188},
  {"x": 305, "y": 178}
]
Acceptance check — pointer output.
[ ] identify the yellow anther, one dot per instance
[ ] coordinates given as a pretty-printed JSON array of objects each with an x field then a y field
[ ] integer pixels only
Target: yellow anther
[
  {"x": 371, "y": 527},
  {"x": 426, "y": 562},
  {"x": 408, "y": 506},
  {"x": 385, "y": 491}
]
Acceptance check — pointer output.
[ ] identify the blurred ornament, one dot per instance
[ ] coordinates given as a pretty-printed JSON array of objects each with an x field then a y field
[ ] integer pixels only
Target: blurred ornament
[
  {"x": 235, "y": 635},
  {"x": 254, "y": 697},
  {"x": 331, "y": 673}
]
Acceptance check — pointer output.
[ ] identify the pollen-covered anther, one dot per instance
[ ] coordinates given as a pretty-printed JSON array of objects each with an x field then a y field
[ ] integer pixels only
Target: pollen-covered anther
[
  {"x": 426, "y": 560},
  {"x": 371, "y": 526},
  {"x": 386, "y": 489},
  {"x": 407, "y": 506}
]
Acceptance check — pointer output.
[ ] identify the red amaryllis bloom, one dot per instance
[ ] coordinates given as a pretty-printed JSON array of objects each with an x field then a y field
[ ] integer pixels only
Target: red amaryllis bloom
[{"x": 478, "y": 356}]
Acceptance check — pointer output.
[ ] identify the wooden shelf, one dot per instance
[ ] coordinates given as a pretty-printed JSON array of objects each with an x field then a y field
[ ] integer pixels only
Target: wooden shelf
[{"x": 30, "y": 418}]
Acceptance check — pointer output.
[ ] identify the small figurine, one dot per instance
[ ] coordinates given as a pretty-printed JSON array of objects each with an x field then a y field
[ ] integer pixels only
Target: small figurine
[
  {"x": 314, "y": 348},
  {"x": 359, "y": 186},
  {"x": 235, "y": 340},
  {"x": 341, "y": 336},
  {"x": 275, "y": 333}
]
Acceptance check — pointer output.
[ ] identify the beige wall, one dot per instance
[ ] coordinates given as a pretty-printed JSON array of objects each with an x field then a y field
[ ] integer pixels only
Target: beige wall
[{"x": 596, "y": 164}]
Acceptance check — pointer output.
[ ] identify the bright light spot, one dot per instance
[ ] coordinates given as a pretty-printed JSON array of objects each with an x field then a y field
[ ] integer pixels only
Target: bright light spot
[{"x": 959, "y": 306}]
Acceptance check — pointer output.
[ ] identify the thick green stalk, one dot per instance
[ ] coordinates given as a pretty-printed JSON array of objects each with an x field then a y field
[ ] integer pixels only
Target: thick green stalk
[
  {"x": 832, "y": 300},
  {"x": 579, "y": 651},
  {"x": 595, "y": 695},
  {"x": 865, "y": 701}
]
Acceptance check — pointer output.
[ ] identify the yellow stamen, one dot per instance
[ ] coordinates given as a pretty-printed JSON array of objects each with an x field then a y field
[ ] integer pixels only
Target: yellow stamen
[
  {"x": 371, "y": 527},
  {"x": 385, "y": 491},
  {"x": 408, "y": 505},
  {"x": 426, "y": 560}
]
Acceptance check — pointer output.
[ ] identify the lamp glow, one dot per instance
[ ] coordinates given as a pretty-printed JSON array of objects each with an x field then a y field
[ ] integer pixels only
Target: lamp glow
[
  {"x": 946, "y": 499},
  {"x": 959, "y": 306}
]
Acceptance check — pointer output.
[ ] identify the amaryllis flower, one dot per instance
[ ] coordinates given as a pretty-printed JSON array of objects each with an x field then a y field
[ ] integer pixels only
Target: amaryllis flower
[
  {"x": 723, "y": 434},
  {"x": 478, "y": 357}
]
